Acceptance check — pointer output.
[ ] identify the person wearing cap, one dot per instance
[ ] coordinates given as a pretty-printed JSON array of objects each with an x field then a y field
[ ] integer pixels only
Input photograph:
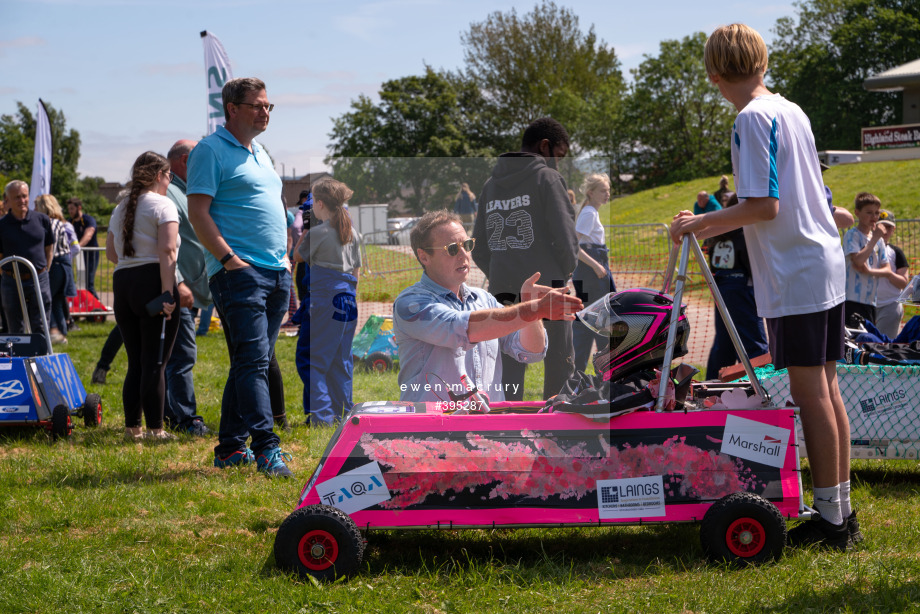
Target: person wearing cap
[{"x": 888, "y": 311}]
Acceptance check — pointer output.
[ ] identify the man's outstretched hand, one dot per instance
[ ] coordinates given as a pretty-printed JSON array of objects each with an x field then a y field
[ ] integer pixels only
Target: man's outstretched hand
[{"x": 550, "y": 303}]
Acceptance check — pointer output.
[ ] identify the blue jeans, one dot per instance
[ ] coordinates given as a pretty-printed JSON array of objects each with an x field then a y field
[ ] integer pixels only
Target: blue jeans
[
  {"x": 9, "y": 296},
  {"x": 181, "y": 407},
  {"x": 61, "y": 271},
  {"x": 739, "y": 300},
  {"x": 253, "y": 301}
]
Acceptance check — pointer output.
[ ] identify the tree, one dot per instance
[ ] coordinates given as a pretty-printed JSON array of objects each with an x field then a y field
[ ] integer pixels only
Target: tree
[
  {"x": 821, "y": 59},
  {"x": 410, "y": 145},
  {"x": 679, "y": 124},
  {"x": 535, "y": 65},
  {"x": 17, "y": 145}
]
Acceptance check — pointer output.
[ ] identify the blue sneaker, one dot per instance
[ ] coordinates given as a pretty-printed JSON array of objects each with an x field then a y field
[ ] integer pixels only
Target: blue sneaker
[
  {"x": 235, "y": 459},
  {"x": 271, "y": 463}
]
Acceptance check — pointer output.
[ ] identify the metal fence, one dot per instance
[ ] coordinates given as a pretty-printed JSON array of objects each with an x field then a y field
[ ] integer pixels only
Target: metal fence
[{"x": 102, "y": 282}]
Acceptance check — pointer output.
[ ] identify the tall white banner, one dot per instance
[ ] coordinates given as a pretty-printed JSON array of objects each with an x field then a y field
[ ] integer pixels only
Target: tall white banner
[
  {"x": 41, "y": 159},
  {"x": 217, "y": 65}
]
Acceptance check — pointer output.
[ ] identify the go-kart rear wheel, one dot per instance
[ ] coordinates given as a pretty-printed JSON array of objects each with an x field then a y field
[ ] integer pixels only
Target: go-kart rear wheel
[
  {"x": 61, "y": 426},
  {"x": 379, "y": 362},
  {"x": 743, "y": 529},
  {"x": 92, "y": 410},
  {"x": 320, "y": 541}
]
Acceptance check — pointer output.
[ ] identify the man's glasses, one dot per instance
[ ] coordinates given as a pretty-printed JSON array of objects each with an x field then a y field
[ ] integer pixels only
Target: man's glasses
[
  {"x": 259, "y": 107},
  {"x": 454, "y": 248}
]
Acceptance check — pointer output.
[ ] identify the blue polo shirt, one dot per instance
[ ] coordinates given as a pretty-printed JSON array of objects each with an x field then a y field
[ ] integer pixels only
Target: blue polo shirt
[
  {"x": 246, "y": 193},
  {"x": 26, "y": 238}
]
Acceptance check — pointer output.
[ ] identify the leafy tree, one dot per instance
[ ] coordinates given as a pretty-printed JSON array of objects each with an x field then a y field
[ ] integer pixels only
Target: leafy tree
[
  {"x": 821, "y": 58},
  {"x": 407, "y": 146},
  {"x": 17, "y": 145},
  {"x": 679, "y": 124},
  {"x": 539, "y": 64}
]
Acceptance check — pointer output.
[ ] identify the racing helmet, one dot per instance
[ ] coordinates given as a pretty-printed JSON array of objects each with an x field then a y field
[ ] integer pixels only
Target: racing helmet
[{"x": 636, "y": 322}]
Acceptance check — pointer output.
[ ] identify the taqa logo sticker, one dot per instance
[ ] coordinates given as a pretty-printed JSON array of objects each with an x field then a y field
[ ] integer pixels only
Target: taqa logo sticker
[
  {"x": 755, "y": 441},
  {"x": 631, "y": 497},
  {"x": 355, "y": 490}
]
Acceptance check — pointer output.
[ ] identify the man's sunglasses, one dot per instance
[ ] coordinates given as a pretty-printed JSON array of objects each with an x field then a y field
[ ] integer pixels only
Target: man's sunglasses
[{"x": 454, "y": 248}]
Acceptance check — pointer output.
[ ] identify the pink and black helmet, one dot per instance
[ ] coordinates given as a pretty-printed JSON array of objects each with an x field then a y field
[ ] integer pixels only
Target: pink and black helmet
[{"x": 636, "y": 322}]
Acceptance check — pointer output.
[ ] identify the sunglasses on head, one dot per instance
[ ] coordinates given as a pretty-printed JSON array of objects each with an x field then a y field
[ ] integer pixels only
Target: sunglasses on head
[{"x": 454, "y": 248}]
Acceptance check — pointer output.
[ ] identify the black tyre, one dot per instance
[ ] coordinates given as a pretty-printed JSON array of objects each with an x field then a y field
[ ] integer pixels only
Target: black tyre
[
  {"x": 743, "y": 529},
  {"x": 320, "y": 541},
  {"x": 92, "y": 410},
  {"x": 379, "y": 362},
  {"x": 61, "y": 426}
]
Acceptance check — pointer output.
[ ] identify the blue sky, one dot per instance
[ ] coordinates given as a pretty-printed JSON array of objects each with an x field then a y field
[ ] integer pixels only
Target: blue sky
[{"x": 129, "y": 74}]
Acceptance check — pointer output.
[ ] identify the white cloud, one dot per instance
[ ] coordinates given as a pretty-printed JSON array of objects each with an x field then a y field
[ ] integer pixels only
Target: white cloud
[
  {"x": 301, "y": 72},
  {"x": 304, "y": 100},
  {"x": 186, "y": 68},
  {"x": 22, "y": 41},
  {"x": 369, "y": 22}
]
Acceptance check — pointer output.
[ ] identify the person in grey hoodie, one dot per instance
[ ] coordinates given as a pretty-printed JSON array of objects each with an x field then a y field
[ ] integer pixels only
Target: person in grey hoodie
[{"x": 525, "y": 225}]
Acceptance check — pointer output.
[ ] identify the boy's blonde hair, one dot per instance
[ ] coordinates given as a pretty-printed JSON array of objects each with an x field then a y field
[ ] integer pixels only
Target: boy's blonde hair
[
  {"x": 735, "y": 53},
  {"x": 864, "y": 199}
]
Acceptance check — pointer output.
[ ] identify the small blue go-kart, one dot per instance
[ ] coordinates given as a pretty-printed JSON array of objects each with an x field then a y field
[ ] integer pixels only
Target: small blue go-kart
[{"x": 37, "y": 386}]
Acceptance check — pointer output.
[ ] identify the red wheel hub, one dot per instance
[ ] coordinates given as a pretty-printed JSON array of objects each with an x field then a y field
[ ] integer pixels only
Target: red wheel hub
[
  {"x": 99, "y": 413},
  {"x": 745, "y": 537},
  {"x": 318, "y": 550}
]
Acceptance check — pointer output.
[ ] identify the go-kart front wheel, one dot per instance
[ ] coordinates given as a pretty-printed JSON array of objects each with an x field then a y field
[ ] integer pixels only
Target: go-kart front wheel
[
  {"x": 92, "y": 410},
  {"x": 743, "y": 529},
  {"x": 379, "y": 362},
  {"x": 320, "y": 541},
  {"x": 61, "y": 426}
]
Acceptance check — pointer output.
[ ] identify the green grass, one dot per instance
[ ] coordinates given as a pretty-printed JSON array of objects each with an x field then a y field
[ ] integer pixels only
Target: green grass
[{"x": 94, "y": 524}]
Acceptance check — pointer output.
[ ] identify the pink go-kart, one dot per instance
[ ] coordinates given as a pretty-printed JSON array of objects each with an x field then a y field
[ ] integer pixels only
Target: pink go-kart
[{"x": 715, "y": 454}]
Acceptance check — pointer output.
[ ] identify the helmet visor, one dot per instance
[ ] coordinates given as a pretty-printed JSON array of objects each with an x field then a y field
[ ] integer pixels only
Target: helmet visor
[{"x": 598, "y": 316}]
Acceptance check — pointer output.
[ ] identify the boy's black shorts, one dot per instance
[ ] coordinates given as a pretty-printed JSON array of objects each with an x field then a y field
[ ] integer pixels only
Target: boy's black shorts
[{"x": 808, "y": 339}]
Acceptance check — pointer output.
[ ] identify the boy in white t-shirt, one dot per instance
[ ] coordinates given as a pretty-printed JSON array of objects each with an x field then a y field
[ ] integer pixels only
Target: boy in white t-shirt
[
  {"x": 867, "y": 260},
  {"x": 796, "y": 263}
]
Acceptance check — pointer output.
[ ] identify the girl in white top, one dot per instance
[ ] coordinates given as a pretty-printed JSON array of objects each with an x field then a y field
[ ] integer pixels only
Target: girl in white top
[
  {"x": 143, "y": 242},
  {"x": 592, "y": 277}
]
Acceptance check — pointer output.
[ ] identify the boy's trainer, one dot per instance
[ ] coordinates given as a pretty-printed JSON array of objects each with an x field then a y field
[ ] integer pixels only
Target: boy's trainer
[
  {"x": 271, "y": 463},
  {"x": 853, "y": 531},
  {"x": 234, "y": 459},
  {"x": 819, "y": 532}
]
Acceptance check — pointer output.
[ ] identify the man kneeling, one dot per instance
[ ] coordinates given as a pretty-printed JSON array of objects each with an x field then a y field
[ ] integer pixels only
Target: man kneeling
[{"x": 447, "y": 329}]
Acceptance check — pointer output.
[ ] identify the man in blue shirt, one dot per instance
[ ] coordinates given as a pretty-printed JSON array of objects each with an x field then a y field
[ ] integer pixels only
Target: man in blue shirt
[
  {"x": 234, "y": 202},
  {"x": 705, "y": 202},
  {"x": 445, "y": 328},
  {"x": 25, "y": 233},
  {"x": 181, "y": 405}
]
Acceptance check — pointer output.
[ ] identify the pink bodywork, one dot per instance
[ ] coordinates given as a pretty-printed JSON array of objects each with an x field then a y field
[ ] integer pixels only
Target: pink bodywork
[{"x": 538, "y": 469}]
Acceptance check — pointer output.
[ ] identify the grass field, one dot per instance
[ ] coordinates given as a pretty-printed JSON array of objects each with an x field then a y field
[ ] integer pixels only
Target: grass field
[{"x": 94, "y": 524}]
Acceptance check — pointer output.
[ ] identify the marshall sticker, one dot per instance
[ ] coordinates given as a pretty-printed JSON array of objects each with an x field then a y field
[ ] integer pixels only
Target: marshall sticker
[
  {"x": 630, "y": 497},
  {"x": 354, "y": 490},
  {"x": 755, "y": 441}
]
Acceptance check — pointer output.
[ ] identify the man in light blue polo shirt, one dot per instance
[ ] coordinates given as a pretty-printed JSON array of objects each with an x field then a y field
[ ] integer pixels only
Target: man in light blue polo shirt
[{"x": 235, "y": 206}]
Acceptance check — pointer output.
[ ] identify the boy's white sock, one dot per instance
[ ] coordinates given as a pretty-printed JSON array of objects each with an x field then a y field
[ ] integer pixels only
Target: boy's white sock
[
  {"x": 827, "y": 502},
  {"x": 845, "y": 508}
]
